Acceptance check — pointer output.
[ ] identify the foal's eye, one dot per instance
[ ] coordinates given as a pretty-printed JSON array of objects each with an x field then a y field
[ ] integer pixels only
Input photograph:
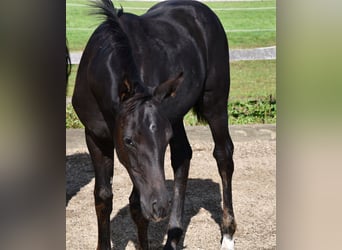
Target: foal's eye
[{"x": 128, "y": 142}]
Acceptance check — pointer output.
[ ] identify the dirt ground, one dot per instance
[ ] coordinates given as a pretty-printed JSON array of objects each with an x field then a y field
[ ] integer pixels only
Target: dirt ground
[{"x": 254, "y": 194}]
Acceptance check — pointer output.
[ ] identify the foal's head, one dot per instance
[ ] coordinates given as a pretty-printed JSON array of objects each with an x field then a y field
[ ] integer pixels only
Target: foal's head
[{"x": 142, "y": 134}]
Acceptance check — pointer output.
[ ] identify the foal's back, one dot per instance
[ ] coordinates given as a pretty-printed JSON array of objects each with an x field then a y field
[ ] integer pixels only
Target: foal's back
[{"x": 179, "y": 36}]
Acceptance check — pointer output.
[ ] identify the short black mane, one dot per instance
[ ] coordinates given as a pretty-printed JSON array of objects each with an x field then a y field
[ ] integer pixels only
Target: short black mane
[
  {"x": 114, "y": 39},
  {"x": 107, "y": 9},
  {"x": 110, "y": 33}
]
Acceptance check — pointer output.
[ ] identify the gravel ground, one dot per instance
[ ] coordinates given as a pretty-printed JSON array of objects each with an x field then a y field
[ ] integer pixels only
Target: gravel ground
[{"x": 254, "y": 194}]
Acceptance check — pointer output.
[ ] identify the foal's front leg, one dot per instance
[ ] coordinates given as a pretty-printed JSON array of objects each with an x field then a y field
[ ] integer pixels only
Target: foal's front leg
[
  {"x": 139, "y": 219},
  {"x": 181, "y": 154},
  {"x": 102, "y": 154}
]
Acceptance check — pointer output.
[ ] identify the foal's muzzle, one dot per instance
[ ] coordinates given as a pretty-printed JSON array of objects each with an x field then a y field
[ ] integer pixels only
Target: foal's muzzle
[{"x": 158, "y": 208}]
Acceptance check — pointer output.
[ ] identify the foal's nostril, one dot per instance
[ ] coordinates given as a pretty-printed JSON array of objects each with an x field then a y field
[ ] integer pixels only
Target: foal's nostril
[
  {"x": 154, "y": 207},
  {"x": 158, "y": 211}
]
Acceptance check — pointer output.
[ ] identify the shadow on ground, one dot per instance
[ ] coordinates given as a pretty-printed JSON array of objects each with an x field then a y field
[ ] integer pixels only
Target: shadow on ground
[
  {"x": 79, "y": 172},
  {"x": 201, "y": 193}
]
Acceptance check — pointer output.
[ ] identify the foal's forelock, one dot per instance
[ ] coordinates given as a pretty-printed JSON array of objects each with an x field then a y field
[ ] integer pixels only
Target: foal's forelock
[{"x": 133, "y": 103}]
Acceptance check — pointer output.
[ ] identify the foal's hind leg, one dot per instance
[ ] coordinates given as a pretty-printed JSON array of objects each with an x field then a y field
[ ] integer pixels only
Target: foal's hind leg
[
  {"x": 181, "y": 154},
  {"x": 218, "y": 121},
  {"x": 102, "y": 153},
  {"x": 139, "y": 219}
]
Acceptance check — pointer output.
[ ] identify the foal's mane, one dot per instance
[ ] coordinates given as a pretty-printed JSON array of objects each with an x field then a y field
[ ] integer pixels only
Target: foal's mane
[
  {"x": 113, "y": 39},
  {"x": 112, "y": 14},
  {"x": 116, "y": 39}
]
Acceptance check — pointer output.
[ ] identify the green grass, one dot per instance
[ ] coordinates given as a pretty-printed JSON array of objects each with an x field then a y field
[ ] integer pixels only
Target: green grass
[
  {"x": 258, "y": 111},
  {"x": 245, "y": 28},
  {"x": 252, "y": 80},
  {"x": 71, "y": 80},
  {"x": 71, "y": 119},
  {"x": 252, "y": 97}
]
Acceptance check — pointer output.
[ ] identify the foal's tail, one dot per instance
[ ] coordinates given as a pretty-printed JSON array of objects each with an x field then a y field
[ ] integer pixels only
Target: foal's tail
[{"x": 198, "y": 111}]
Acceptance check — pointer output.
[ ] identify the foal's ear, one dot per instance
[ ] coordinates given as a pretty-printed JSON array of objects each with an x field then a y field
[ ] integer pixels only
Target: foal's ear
[
  {"x": 126, "y": 89},
  {"x": 168, "y": 88}
]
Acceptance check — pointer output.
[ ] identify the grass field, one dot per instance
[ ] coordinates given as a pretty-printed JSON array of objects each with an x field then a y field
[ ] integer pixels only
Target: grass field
[{"x": 247, "y": 24}]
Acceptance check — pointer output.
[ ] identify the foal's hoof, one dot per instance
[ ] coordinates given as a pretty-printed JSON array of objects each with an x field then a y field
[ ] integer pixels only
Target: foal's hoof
[{"x": 227, "y": 243}]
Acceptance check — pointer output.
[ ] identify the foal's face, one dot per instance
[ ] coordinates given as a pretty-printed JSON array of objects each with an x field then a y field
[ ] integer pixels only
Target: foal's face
[{"x": 141, "y": 139}]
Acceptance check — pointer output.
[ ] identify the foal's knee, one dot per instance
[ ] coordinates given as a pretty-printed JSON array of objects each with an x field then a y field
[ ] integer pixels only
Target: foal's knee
[
  {"x": 103, "y": 194},
  {"x": 103, "y": 203}
]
